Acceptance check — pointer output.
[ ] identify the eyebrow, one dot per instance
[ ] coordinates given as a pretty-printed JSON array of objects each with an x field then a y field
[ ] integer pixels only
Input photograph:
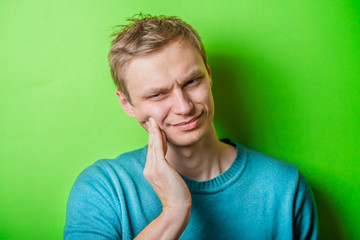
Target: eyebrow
[{"x": 193, "y": 73}]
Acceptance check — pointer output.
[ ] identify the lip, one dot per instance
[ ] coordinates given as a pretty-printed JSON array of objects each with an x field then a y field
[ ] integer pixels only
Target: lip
[{"x": 188, "y": 125}]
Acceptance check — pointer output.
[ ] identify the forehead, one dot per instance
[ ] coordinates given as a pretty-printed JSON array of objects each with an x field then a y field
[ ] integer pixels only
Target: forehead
[{"x": 172, "y": 62}]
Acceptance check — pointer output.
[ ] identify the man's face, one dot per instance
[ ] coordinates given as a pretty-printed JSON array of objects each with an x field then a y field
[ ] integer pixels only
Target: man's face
[{"x": 173, "y": 86}]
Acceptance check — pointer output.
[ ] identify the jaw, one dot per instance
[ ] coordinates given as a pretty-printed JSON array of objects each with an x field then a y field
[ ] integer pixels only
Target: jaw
[
  {"x": 191, "y": 139},
  {"x": 190, "y": 147}
]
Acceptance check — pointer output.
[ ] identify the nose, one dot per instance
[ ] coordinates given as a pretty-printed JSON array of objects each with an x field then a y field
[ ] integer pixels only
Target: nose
[{"x": 182, "y": 104}]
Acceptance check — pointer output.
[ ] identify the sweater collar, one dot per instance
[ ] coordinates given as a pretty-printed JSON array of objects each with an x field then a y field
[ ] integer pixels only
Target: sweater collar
[{"x": 225, "y": 179}]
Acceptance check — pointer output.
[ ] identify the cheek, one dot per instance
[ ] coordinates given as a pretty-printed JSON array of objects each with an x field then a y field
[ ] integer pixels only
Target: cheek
[
  {"x": 203, "y": 96},
  {"x": 204, "y": 99},
  {"x": 156, "y": 111}
]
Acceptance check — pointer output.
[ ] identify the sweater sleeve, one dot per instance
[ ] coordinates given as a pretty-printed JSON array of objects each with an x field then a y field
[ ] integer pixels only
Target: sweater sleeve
[
  {"x": 305, "y": 217},
  {"x": 92, "y": 209}
]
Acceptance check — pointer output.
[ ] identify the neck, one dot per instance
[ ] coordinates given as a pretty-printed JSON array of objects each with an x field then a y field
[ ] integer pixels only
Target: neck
[{"x": 203, "y": 160}]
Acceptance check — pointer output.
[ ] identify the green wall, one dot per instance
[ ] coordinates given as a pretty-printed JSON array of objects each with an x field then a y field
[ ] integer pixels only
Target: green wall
[{"x": 286, "y": 82}]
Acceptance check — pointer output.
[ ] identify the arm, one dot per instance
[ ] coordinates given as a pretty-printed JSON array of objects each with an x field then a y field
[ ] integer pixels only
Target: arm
[
  {"x": 305, "y": 222},
  {"x": 169, "y": 187}
]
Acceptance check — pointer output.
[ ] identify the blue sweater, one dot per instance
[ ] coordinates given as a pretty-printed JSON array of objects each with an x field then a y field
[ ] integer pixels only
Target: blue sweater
[{"x": 258, "y": 197}]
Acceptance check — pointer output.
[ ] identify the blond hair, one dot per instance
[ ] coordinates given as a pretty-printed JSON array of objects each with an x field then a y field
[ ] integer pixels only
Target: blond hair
[{"x": 143, "y": 35}]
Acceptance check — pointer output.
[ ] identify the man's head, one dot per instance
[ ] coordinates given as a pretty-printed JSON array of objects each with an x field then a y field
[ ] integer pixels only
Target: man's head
[
  {"x": 160, "y": 67},
  {"x": 144, "y": 35}
]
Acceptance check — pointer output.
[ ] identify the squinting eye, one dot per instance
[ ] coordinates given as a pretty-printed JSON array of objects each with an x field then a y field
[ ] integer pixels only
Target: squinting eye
[
  {"x": 192, "y": 81},
  {"x": 155, "y": 95}
]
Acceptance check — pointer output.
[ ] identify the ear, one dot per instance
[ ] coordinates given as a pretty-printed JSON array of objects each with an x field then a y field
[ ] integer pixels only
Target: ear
[
  {"x": 126, "y": 105},
  {"x": 209, "y": 72}
]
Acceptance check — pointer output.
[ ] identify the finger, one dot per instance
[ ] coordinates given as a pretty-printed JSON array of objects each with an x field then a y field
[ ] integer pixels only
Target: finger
[
  {"x": 157, "y": 138},
  {"x": 150, "y": 138},
  {"x": 164, "y": 142},
  {"x": 148, "y": 126},
  {"x": 154, "y": 124}
]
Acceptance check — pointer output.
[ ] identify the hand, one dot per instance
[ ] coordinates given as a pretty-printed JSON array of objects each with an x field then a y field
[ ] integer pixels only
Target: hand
[
  {"x": 169, "y": 187},
  {"x": 166, "y": 182}
]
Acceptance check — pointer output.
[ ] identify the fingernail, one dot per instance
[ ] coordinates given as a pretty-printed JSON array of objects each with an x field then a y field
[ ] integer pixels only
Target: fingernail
[{"x": 152, "y": 121}]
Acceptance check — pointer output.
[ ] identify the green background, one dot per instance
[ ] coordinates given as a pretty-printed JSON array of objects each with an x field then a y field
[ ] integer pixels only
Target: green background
[{"x": 286, "y": 82}]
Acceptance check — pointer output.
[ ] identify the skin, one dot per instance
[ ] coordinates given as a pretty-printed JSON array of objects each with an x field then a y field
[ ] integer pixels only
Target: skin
[
  {"x": 171, "y": 97},
  {"x": 170, "y": 92}
]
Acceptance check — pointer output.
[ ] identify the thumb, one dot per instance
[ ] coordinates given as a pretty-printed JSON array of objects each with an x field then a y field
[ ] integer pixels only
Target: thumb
[{"x": 164, "y": 142}]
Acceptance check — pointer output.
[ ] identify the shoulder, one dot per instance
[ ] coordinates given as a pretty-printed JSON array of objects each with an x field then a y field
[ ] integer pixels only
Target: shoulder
[
  {"x": 125, "y": 163},
  {"x": 269, "y": 173},
  {"x": 270, "y": 165},
  {"x": 275, "y": 184},
  {"x": 109, "y": 175},
  {"x": 276, "y": 177},
  {"x": 93, "y": 206}
]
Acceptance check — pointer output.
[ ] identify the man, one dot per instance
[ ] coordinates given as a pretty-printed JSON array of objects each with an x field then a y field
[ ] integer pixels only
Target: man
[{"x": 186, "y": 183}]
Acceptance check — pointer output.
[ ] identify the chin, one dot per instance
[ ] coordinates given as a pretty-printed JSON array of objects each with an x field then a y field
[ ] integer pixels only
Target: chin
[{"x": 185, "y": 139}]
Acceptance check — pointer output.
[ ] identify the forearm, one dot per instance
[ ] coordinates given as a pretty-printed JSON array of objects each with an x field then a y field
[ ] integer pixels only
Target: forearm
[{"x": 170, "y": 224}]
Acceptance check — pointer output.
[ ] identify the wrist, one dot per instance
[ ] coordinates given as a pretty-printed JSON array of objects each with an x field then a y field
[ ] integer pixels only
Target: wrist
[
  {"x": 183, "y": 209},
  {"x": 177, "y": 216}
]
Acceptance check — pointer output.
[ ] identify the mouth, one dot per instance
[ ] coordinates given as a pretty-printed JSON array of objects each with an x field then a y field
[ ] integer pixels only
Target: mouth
[{"x": 188, "y": 125}]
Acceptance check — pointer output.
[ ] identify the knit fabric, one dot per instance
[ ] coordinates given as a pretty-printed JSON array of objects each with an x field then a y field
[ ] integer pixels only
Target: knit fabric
[{"x": 258, "y": 197}]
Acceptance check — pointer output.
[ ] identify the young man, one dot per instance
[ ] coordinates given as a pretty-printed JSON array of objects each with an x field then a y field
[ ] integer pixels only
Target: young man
[{"x": 186, "y": 183}]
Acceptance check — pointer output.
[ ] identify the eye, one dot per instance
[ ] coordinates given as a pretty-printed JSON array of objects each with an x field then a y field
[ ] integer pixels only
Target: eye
[
  {"x": 155, "y": 96},
  {"x": 192, "y": 82}
]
